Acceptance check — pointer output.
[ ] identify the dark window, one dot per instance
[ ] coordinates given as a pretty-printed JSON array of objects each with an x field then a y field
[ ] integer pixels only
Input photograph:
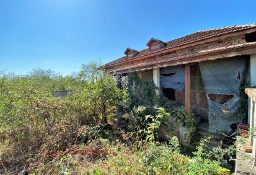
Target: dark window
[
  {"x": 220, "y": 98},
  {"x": 169, "y": 93},
  {"x": 250, "y": 37},
  {"x": 169, "y": 74}
]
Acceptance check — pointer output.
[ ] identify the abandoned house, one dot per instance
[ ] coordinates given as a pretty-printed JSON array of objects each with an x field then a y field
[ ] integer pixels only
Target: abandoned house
[{"x": 203, "y": 71}]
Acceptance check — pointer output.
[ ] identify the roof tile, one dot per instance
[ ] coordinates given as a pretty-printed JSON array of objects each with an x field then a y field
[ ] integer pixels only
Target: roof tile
[{"x": 194, "y": 37}]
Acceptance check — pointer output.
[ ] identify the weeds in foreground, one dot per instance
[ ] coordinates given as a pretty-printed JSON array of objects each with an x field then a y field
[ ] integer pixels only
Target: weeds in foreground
[{"x": 44, "y": 134}]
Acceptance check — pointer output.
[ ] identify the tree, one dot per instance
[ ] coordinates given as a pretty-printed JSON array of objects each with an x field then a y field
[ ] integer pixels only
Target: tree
[{"x": 100, "y": 91}]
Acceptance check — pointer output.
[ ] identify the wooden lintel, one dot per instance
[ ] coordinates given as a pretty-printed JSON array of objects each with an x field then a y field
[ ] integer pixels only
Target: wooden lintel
[{"x": 187, "y": 88}]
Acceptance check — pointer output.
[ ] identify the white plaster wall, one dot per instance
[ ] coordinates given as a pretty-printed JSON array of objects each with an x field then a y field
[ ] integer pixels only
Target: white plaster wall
[
  {"x": 156, "y": 78},
  {"x": 254, "y": 131},
  {"x": 251, "y": 119}
]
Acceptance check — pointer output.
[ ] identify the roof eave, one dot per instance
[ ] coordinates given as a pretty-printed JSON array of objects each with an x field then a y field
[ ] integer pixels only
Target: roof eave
[
  {"x": 246, "y": 50},
  {"x": 166, "y": 49}
]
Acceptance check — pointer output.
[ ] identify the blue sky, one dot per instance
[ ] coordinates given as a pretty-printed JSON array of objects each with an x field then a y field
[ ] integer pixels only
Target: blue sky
[{"x": 63, "y": 34}]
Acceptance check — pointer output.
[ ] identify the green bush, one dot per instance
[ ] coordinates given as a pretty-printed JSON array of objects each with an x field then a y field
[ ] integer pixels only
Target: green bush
[
  {"x": 156, "y": 159},
  {"x": 141, "y": 92},
  {"x": 144, "y": 126},
  {"x": 32, "y": 119}
]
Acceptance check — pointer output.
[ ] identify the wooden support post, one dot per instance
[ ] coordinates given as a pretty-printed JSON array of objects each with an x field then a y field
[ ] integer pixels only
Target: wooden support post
[{"x": 187, "y": 88}]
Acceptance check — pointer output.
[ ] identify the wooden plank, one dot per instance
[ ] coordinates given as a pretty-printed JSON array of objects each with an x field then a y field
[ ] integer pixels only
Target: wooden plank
[{"x": 187, "y": 88}]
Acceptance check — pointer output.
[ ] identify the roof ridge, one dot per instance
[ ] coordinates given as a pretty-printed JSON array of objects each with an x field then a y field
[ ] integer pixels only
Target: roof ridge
[{"x": 224, "y": 27}]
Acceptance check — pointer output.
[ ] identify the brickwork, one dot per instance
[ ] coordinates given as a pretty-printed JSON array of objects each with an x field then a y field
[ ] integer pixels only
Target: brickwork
[
  {"x": 198, "y": 98},
  {"x": 180, "y": 96},
  {"x": 146, "y": 75}
]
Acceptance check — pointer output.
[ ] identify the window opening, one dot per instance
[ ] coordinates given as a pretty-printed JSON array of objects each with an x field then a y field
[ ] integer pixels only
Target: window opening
[{"x": 250, "y": 37}]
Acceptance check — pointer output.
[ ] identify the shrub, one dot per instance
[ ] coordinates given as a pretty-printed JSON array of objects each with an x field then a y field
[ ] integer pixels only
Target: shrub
[
  {"x": 32, "y": 119},
  {"x": 156, "y": 159},
  {"x": 144, "y": 126},
  {"x": 141, "y": 92}
]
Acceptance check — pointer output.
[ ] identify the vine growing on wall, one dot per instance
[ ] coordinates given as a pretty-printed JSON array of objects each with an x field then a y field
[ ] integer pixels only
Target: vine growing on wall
[{"x": 141, "y": 92}]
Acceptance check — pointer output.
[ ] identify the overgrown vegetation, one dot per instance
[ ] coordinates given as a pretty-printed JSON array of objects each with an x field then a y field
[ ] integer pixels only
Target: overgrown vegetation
[{"x": 43, "y": 133}]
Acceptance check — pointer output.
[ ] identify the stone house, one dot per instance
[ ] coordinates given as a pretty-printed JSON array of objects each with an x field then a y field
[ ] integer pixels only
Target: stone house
[{"x": 204, "y": 70}]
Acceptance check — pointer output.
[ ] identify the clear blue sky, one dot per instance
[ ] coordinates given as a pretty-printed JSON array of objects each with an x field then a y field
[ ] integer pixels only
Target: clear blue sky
[{"x": 63, "y": 34}]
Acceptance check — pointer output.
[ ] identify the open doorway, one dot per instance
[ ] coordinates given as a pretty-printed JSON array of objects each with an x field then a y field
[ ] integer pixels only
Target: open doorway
[{"x": 169, "y": 93}]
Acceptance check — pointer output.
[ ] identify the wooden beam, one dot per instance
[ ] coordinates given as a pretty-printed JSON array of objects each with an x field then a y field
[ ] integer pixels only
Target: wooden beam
[{"x": 187, "y": 88}]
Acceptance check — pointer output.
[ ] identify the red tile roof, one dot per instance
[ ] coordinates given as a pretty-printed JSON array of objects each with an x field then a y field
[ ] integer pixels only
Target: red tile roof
[
  {"x": 129, "y": 50},
  {"x": 196, "y": 37},
  {"x": 153, "y": 40},
  {"x": 188, "y": 57}
]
